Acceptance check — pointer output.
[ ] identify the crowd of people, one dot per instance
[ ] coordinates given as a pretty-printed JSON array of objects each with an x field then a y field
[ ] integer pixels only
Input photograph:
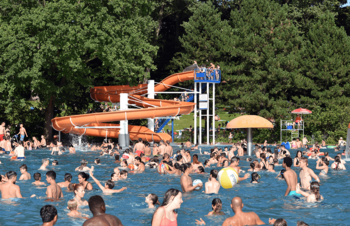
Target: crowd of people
[{"x": 141, "y": 155}]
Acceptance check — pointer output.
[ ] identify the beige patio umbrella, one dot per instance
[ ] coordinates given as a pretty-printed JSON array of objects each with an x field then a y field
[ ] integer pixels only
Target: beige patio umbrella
[{"x": 249, "y": 122}]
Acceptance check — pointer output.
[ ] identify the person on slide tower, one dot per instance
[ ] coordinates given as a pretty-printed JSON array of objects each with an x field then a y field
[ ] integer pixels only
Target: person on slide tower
[{"x": 139, "y": 147}]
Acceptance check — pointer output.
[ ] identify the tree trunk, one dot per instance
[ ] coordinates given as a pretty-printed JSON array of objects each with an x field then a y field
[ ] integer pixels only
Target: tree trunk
[{"x": 48, "y": 117}]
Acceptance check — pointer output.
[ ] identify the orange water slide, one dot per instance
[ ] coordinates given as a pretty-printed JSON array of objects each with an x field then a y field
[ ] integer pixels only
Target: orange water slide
[{"x": 152, "y": 108}]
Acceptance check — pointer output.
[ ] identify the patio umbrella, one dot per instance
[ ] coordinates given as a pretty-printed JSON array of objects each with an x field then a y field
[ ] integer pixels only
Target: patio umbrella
[
  {"x": 249, "y": 122},
  {"x": 301, "y": 111}
]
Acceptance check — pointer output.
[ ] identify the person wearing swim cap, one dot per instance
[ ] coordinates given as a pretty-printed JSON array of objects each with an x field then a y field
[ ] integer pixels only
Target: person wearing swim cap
[
  {"x": 100, "y": 218},
  {"x": 290, "y": 177}
]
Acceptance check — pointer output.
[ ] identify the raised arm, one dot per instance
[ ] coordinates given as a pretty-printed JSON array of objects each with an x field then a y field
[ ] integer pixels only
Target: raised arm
[{"x": 96, "y": 181}]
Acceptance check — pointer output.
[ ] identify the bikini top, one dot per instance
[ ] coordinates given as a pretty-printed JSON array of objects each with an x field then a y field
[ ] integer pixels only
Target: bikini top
[{"x": 166, "y": 222}]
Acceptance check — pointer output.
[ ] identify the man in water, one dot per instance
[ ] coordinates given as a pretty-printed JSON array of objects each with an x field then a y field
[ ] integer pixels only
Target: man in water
[
  {"x": 2, "y": 131},
  {"x": 168, "y": 148},
  {"x": 25, "y": 175},
  {"x": 45, "y": 162},
  {"x": 161, "y": 147},
  {"x": 212, "y": 186},
  {"x": 139, "y": 147},
  {"x": 53, "y": 190},
  {"x": 299, "y": 144},
  {"x": 22, "y": 132},
  {"x": 188, "y": 144},
  {"x": 305, "y": 141},
  {"x": 306, "y": 173},
  {"x": 290, "y": 176},
  {"x": 10, "y": 189},
  {"x": 49, "y": 215},
  {"x": 8, "y": 146},
  {"x": 140, "y": 165},
  {"x": 234, "y": 165},
  {"x": 242, "y": 218},
  {"x": 148, "y": 151},
  {"x": 100, "y": 218},
  {"x": 186, "y": 180},
  {"x": 19, "y": 151}
]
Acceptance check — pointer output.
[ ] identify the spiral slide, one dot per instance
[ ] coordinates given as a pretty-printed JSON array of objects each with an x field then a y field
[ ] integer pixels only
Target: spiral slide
[{"x": 151, "y": 108}]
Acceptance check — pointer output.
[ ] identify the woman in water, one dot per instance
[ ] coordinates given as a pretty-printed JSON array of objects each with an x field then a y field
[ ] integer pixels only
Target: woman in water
[
  {"x": 315, "y": 192},
  {"x": 123, "y": 164},
  {"x": 324, "y": 167},
  {"x": 152, "y": 200},
  {"x": 67, "y": 179},
  {"x": 255, "y": 178},
  {"x": 297, "y": 159},
  {"x": 216, "y": 205},
  {"x": 200, "y": 170},
  {"x": 79, "y": 193},
  {"x": 82, "y": 178},
  {"x": 196, "y": 163},
  {"x": 165, "y": 215},
  {"x": 83, "y": 166},
  {"x": 263, "y": 162},
  {"x": 337, "y": 164},
  {"x": 174, "y": 170},
  {"x": 55, "y": 150},
  {"x": 326, "y": 155},
  {"x": 71, "y": 149},
  {"x": 43, "y": 141},
  {"x": 252, "y": 167}
]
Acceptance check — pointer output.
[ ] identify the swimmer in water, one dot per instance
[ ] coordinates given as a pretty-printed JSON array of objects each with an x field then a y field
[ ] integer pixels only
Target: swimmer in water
[
  {"x": 109, "y": 185},
  {"x": 337, "y": 164},
  {"x": 243, "y": 218},
  {"x": 186, "y": 180},
  {"x": 73, "y": 206},
  {"x": 67, "y": 180},
  {"x": 200, "y": 170},
  {"x": 281, "y": 174},
  {"x": 212, "y": 186},
  {"x": 165, "y": 214},
  {"x": 97, "y": 207},
  {"x": 45, "y": 162},
  {"x": 188, "y": 144},
  {"x": 82, "y": 178},
  {"x": 324, "y": 167},
  {"x": 306, "y": 174},
  {"x": 255, "y": 178},
  {"x": 152, "y": 200},
  {"x": 37, "y": 178},
  {"x": 54, "y": 162},
  {"x": 234, "y": 165},
  {"x": 53, "y": 191},
  {"x": 25, "y": 175},
  {"x": 216, "y": 205},
  {"x": 48, "y": 215},
  {"x": 97, "y": 161},
  {"x": 79, "y": 193},
  {"x": 140, "y": 165},
  {"x": 290, "y": 177},
  {"x": 174, "y": 170},
  {"x": 9, "y": 189},
  {"x": 71, "y": 149},
  {"x": 315, "y": 192},
  {"x": 271, "y": 168},
  {"x": 123, "y": 175},
  {"x": 83, "y": 166}
]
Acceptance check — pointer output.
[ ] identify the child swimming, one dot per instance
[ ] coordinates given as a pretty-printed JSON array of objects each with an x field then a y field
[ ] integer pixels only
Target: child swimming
[
  {"x": 216, "y": 205},
  {"x": 255, "y": 178},
  {"x": 152, "y": 200},
  {"x": 315, "y": 192}
]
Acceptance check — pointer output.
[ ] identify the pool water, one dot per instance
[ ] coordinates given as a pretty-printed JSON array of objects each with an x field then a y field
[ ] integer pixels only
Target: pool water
[{"x": 266, "y": 198}]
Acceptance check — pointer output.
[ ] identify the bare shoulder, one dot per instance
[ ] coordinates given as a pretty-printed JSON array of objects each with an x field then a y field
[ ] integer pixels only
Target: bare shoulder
[{"x": 229, "y": 221}]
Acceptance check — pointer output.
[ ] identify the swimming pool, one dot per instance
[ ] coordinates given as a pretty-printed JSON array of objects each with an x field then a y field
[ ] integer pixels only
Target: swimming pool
[{"x": 266, "y": 198}]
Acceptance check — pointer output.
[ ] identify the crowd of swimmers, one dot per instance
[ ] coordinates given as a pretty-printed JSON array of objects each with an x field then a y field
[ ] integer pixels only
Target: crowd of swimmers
[{"x": 139, "y": 156}]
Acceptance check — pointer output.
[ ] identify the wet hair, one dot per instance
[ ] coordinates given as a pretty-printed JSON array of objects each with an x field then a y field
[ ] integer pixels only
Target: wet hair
[
  {"x": 184, "y": 167},
  {"x": 24, "y": 166},
  {"x": 123, "y": 172},
  {"x": 280, "y": 222},
  {"x": 98, "y": 161},
  {"x": 201, "y": 169},
  {"x": 51, "y": 174},
  {"x": 154, "y": 199},
  {"x": 249, "y": 159},
  {"x": 275, "y": 161},
  {"x": 84, "y": 175},
  {"x": 125, "y": 162},
  {"x": 55, "y": 161},
  {"x": 68, "y": 177},
  {"x": 95, "y": 203},
  {"x": 269, "y": 150},
  {"x": 138, "y": 158},
  {"x": 178, "y": 158},
  {"x": 214, "y": 173},
  {"x": 315, "y": 188},
  {"x": 216, "y": 202},
  {"x": 166, "y": 155},
  {"x": 72, "y": 204},
  {"x": 195, "y": 159},
  {"x": 255, "y": 177},
  {"x": 282, "y": 172},
  {"x": 77, "y": 186},
  {"x": 110, "y": 184},
  {"x": 325, "y": 161},
  {"x": 288, "y": 161},
  {"x": 37, "y": 176},
  {"x": 302, "y": 223},
  {"x": 116, "y": 157},
  {"x": 252, "y": 165},
  {"x": 234, "y": 159},
  {"x": 273, "y": 165},
  {"x": 298, "y": 153},
  {"x": 168, "y": 194},
  {"x": 45, "y": 160},
  {"x": 48, "y": 213}
]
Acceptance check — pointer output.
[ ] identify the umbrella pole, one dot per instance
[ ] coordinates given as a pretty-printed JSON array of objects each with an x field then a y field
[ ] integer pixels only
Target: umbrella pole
[{"x": 249, "y": 141}]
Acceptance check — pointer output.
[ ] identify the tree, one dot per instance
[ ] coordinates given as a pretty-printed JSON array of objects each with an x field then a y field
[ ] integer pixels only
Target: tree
[{"x": 57, "y": 49}]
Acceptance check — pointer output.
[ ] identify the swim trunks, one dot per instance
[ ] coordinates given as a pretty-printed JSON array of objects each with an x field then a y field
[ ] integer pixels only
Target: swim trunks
[
  {"x": 294, "y": 193},
  {"x": 1, "y": 137},
  {"x": 138, "y": 152},
  {"x": 22, "y": 138},
  {"x": 21, "y": 157}
]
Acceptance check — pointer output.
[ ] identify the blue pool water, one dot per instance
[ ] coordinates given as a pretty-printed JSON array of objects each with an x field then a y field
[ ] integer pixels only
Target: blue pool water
[{"x": 266, "y": 198}]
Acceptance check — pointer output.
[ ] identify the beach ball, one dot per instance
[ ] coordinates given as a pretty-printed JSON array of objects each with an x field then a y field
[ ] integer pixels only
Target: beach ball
[
  {"x": 161, "y": 168},
  {"x": 228, "y": 177},
  {"x": 195, "y": 182},
  {"x": 131, "y": 166}
]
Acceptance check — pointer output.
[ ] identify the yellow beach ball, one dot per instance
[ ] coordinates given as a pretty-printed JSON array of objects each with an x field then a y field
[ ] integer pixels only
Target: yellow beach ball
[{"x": 228, "y": 177}]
